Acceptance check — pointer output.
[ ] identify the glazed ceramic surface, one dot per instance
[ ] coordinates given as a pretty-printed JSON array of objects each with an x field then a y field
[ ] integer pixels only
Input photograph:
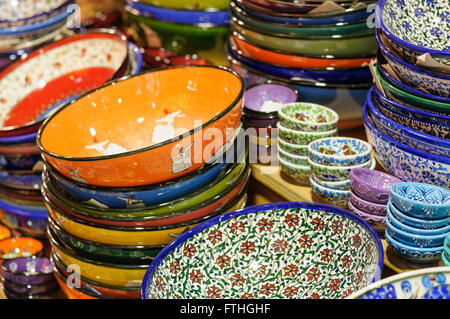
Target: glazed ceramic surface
[
  {"x": 337, "y": 173},
  {"x": 20, "y": 161},
  {"x": 93, "y": 58},
  {"x": 302, "y": 137},
  {"x": 339, "y": 151},
  {"x": 295, "y": 149},
  {"x": 417, "y": 27},
  {"x": 20, "y": 179},
  {"x": 27, "y": 290},
  {"x": 100, "y": 153},
  {"x": 404, "y": 162},
  {"x": 309, "y": 117},
  {"x": 340, "y": 185},
  {"x": 367, "y": 207},
  {"x": 190, "y": 4},
  {"x": 370, "y": 218},
  {"x": 421, "y": 200},
  {"x": 342, "y": 47},
  {"x": 306, "y": 268},
  {"x": 20, "y": 13},
  {"x": 16, "y": 247},
  {"x": 417, "y": 222},
  {"x": 428, "y": 283},
  {"x": 28, "y": 271},
  {"x": 407, "y": 136},
  {"x": 414, "y": 254},
  {"x": 332, "y": 196},
  {"x": 300, "y": 173},
  {"x": 294, "y": 159}
]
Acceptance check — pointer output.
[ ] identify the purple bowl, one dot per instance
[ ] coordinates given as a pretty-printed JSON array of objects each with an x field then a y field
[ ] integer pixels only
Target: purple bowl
[
  {"x": 370, "y": 218},
  {"x": 28, "y": 271},
  {"x": 367, "y": 207},
  {"x": 372, "y": 185},
  {"x": 27, "y": 290},
  {"x": 251, "y": 122}
]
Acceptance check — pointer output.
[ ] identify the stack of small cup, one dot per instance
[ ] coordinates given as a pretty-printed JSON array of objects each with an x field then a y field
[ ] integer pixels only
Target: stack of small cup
[
  {"x": 300, "y": 124},
  {"x": 331, "y": 160},
  {"x": 369, "y": 196}
]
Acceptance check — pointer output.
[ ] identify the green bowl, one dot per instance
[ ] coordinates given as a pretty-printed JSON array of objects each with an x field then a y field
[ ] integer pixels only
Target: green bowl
[
  {"x": 354, "y": 28},
  {"x": 328, "y": 173},
  {"x": 337, "y": 47},
  {"x": 302, "y": 137},
  {"x": 190, "y": 4},
  {"x": 295, "y": 149},
  {"x": 308, "y": 117},
  {"x": 293, "y": 159},
  {"x": 183, "y": 38},
  {"x": 407, "y": 99},
  {"x": 300, "y": 173}
]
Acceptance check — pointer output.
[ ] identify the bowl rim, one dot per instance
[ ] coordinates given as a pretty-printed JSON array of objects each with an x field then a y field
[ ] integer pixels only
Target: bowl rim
[
  {"x": 261, "y": 208},
  {"x": 395, "y": 229},
  {"x": 372, "y": 161},
  {"x": 282, "y": 111},
  {"x": 339, "y": 157},
  {"x": 398, "y": 278},
  {"x": 25, "y": 273},
  {"x": 44, "y": 13},
  {"x": 147, "y": 148},
  {"x": 395, "y": 196},
  {"x": 282, "y": 128},
  {"x": 330, "y": 183},
  {"x": 31, "y": 240},
  {"x": 295, "y": 166},
  {"x": 401, "y": 146},
  {"x": 295, "y": 156},
  {"x": 297, "y": 146},
  {"x": 379, "y": 16},
  {"x": 355, "y": 195},
  {"x": 331, "y": 190},
  {"x": 355, "y": 177},
  {"x": 396, "y": 211}
]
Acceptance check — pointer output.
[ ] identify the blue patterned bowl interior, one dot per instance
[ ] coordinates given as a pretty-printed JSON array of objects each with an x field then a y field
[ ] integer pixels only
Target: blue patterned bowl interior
[{"x": 419, "y": 223}]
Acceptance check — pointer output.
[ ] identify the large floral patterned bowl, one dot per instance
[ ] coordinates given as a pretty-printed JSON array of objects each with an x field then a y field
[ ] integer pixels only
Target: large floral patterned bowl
[
  {"x": 405, "y": 162},
  {"x": 416, "y": 27},
  {"x": 428, "y": 283},
  {"x": 280, "y": 250}
]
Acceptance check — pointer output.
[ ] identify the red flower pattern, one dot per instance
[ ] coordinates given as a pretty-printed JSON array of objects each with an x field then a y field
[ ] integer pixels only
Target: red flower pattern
[
  {"x": 215, "y": 236},
  {"x": 314, "y": 295},
  {"x": 356, "y": 241},
  {"x": 175, "y": 267},
  {"x": 267, "y": 289},
  {"x": 319, "y": 224},
  {"x": 334, "y": 285},
  {"x": 265, "y": 225},
  {"x": 290, "y": 291},
  {"x": 237, "y": 280},
  {"x": 290, "y": 271},
  {"x": 337, "y": 227},
  {"x": 305, "y": 241},
  {"x": 223, "y": 261},
  {"x": 346, "y": 261},
  {"x": 291, "y": 220},
  {"x": 247, "y": 248},
  {"x": 326, "y": 255},
  {"x": 313, "y": 274},
  {"x": 237, "y": 227},
  {"x": 189, "y": 250},
  {"x": 280, "y": 245},
  {"x": 196, "y": 276},
  {"x": 214, "y": 292}
]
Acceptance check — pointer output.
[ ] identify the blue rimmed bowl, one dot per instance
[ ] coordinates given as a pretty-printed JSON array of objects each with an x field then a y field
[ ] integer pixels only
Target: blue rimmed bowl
[
  {"x": 193, "y": 17},
  {"x": 332, "y": 196},
  {"x": 340, "y": 185},
  {"x": 405, "y": 162},
  {"x": 421, "y": 200},
  {"x": 21, "y": 179},
  {"x": 413, "y": 254},
  {"x": 339, "y": 151},
  {"x": 418, "y": 222},
  {"x": 433, "y": 124},
  {"x": 197, "y": 253},
  {"x": 30, "y": 220},
  {"x": 416, "y": 27},
  {"x": 18, "y": 139},
  {"x": 415, "y": 78},
  {"x": 407, "y": 136}
]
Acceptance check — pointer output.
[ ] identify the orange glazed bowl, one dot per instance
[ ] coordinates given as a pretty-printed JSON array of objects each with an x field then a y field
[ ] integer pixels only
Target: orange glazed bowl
[{"x": 144, "y": 129}]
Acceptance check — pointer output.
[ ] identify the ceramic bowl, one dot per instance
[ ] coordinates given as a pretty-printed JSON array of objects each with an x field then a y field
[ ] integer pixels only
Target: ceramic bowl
[
  {"x": 421, "y": 200},
  {"x": 339, "y": 151},
  {"x": 418, "y": 78},
  {"x": 16, "y": 247},
  {"x": 290, "y": 7},
  {"x": 370, "y": 218},
  {"x": 106, "y": 58},
  {"x": 302, "y": 137},
  {"x": 26, "y": 290},
  {"x": 403, "y": 161},
  {"x": 428, "y": 283},
  {"x": 337, "y": 173},
  {"x": 136, "y": 59},
  {"x": 413, "y": 239},
  {"x": 148, "y": 195},
  {"x": 20, "y": 161},
  {"x": 88, "y": 161},
  {"x": 341, "y": 47},
  {"x": 330, "y": 195},
  {"x": 19, "y": 139},
  {"x": 341, "y": 185},
  {"x": 191, "y": 17},
  {"x": 251, "y": 122},
  {"x": 255, "y": 224},
  {"x": 371, "y": 185},
  {"x": 446, "y": 258},
  {"x": 20, "y": 179},
  {"x": 30, "y": 197},
  {"x": 262, "y": 100},
  {"x": 417, "y": 222},
  {"x": 349, "y": 112},
  {"x": 422, "y": 121},
  {"x": 5, "y": 232},
  {"x": 310, "y": 117},
  {"x": 102, "y": 252},
  {"x": 410, "y": 38},
  {"x": 72, "y": 292},
  {"x": 366, "y": 206},
  {"x": 190, "y": 4},
  {"x": 295, "y": 149},
  {"x": 300, "y": 173},
  {"x": 262, "y": 54},
  {"x": 293, "y": 159},
  {"x": 27, "y": 271},
  {"x": 407, "y": 136},
  {"x": 408, "y": 99},
  {"x": 104, "y": 291}
]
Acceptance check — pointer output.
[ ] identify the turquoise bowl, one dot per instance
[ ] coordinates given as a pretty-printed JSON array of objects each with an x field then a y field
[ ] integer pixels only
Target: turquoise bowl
[{"x": 417, "y": 222}]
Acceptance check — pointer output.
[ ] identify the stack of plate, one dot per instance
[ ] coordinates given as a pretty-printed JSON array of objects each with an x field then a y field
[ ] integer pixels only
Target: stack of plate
[
  {"x": 184, "y": 26},
  {"x": 260, "y": 117},
  {"x": 300, "y": 124},
  {"x": 324, "y": 55},
  {"x": 408, "y": 111},
  {"x": 418, "y": 221},
  {"x": 117, "y": 195},
  {"x": 331, "y": 160},
  {"x": 24, "y": 27},
  {"x": 33, "y": 87}
]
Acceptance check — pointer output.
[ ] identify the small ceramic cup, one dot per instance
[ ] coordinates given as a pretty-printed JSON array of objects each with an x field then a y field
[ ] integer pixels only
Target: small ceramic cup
[{"x": 308, "y": 117}]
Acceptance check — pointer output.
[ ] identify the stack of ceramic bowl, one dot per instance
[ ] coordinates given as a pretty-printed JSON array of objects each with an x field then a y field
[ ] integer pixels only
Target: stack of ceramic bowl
[
  {"x": 260, "y": 117},
  {"x": 369, "y": 196},
  {"x": 117, "y": 195},
  {"x": 418, "y": 221},
  {"x": 183, "y": 26},
  {"x": 29, "y": 278},
  {"x": 408, "y": 111},
  {"x": 300, "y": 124},
  {"x": 331, "y": 160},
  {"x": 446, "y": 252},
  {"x": 24, "y": 27},
  {"x": 49, "y": 77},
  {"x": 324, "y": 52}
]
